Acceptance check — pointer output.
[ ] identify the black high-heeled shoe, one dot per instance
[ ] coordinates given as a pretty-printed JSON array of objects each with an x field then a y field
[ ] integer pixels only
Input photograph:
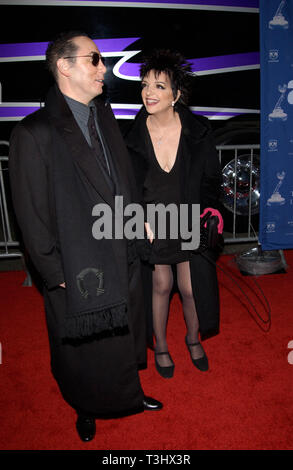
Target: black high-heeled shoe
[
  {"x": 165, "y": 371},
  {"x": 202, "y": 362}
]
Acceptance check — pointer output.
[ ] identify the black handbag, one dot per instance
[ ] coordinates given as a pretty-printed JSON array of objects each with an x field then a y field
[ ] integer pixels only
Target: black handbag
[{"x": 210, "y": 239}]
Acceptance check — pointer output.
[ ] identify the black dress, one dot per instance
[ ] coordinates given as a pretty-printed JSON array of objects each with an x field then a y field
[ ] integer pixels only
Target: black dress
[
  {"x": 200, "y": 179},
  {"x": 163, "y": 187}
]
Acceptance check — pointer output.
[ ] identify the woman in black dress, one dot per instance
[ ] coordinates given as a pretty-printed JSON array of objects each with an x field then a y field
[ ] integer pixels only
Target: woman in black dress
[{"x": 175, "y": 162}]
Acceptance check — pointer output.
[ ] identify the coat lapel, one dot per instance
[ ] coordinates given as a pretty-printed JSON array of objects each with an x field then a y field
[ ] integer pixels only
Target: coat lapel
[
  {"x": 82, "y": 154},
  {"x": 193, "y": 132},
  {"x": 116, "y": 146}
]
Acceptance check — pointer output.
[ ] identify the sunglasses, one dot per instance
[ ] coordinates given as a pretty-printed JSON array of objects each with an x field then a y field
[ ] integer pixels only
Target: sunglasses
[{"x": 95, "y": 56}]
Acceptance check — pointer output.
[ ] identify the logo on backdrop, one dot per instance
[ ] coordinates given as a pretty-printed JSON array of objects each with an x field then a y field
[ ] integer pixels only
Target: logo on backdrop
[
  {"x": 279, "y": 21},
  {"x": 271, "y": 227},
  {"x": 276, "y": 199},
  {"x": 278, "y": 113},
  {"x": 290, "y": 94},
  {"x": 273, "y": 145},
  {"x": 274, "y": 55}
]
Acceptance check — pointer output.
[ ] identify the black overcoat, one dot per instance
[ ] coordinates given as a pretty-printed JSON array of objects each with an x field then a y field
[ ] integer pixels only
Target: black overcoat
[
  {"x": 97, "y": 375},
  {"x": 200, "y": 184}
]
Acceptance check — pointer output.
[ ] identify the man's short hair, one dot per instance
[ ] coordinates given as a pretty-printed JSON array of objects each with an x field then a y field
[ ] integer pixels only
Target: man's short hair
[{"x": 62, "y": 46}]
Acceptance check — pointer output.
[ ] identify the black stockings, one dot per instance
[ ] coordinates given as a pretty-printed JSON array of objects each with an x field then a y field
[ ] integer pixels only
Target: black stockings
[{"x": 162, "y": 285}]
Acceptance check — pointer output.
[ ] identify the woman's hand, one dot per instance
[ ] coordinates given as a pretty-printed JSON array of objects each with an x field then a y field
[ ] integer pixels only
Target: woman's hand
[
  {"x": 62, "y": 285},
  {"x": 149, "y": 232}
]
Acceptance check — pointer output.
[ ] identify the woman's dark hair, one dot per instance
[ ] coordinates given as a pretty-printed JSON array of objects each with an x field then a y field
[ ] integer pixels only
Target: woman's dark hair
[
  {"x": 62, "y": 46},
  {"x": 174, "y": 65}
]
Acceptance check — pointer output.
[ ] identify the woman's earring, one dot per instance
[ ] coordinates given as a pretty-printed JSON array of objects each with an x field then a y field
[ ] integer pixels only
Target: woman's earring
[{"x": 173, "y": 103}]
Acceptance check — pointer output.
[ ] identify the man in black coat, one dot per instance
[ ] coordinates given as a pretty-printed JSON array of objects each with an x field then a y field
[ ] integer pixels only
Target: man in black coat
[{"x": 64, "y": 159}]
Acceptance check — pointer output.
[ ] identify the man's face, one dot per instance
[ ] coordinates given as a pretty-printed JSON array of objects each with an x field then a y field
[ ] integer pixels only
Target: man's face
[{"x": 85, "y": 79}]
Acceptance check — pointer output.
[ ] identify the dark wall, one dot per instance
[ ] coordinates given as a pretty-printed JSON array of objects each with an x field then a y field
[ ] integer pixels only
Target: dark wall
[{"x": 196, "y": 33}]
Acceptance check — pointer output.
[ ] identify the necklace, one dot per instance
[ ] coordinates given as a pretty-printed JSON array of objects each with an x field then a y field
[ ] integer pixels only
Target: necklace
[
  {"x": 161, "y": 137},
  {"x": 159, "y": 141}
]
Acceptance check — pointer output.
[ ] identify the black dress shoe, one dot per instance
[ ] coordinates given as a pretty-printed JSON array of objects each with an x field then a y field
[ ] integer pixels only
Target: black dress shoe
[
  {"x": 150, "y": 404},
  {"x": 202, "y": 362},
  {"x": 86, "y": 428},
  {"x": 166, "y": 372}
]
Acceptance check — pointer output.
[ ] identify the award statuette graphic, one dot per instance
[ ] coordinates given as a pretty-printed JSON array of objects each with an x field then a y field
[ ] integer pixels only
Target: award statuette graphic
[
  {"x": 276, "y": 198},
  {"x": 278, "y": 113},
  {"x": 279, "y": 20}
]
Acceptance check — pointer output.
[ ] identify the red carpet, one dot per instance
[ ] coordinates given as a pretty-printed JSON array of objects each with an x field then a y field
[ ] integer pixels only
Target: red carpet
[{"x": 245, "y": 400}]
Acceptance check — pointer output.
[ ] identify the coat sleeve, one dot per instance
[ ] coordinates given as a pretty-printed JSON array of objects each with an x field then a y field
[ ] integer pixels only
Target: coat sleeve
[
  {"x": 212, "y": 176},
  {"x": 31, "y": 199}
]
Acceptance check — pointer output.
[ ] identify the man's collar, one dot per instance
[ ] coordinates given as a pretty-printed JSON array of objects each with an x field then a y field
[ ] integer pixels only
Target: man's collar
[{"x": 79, "y": 109}]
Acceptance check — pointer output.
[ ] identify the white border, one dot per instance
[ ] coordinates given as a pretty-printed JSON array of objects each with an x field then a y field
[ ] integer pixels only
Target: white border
[
  {"x": 138, "y": 106},
  {"x": 226, "y": 69},
  {"x": 178, "y": 6}
]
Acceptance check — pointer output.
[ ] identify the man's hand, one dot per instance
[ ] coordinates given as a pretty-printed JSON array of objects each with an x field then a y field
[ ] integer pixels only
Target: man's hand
[{"x": 62, "y": 285}]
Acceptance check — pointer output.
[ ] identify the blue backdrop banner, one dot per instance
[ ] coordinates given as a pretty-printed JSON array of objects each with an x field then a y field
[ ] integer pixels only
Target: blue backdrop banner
[{"x": 276, "y": 181}]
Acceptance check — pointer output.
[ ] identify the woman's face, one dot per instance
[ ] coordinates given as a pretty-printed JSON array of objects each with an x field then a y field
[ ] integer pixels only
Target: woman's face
[{"x": 157, "y": 94}]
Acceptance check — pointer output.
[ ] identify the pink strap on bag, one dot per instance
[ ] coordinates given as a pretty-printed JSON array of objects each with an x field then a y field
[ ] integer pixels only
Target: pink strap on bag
[{"x": 217, "y": 213}]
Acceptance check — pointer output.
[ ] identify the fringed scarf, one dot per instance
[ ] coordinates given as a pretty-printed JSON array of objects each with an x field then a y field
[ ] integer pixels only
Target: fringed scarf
[{"x": 96, "y": 297}]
